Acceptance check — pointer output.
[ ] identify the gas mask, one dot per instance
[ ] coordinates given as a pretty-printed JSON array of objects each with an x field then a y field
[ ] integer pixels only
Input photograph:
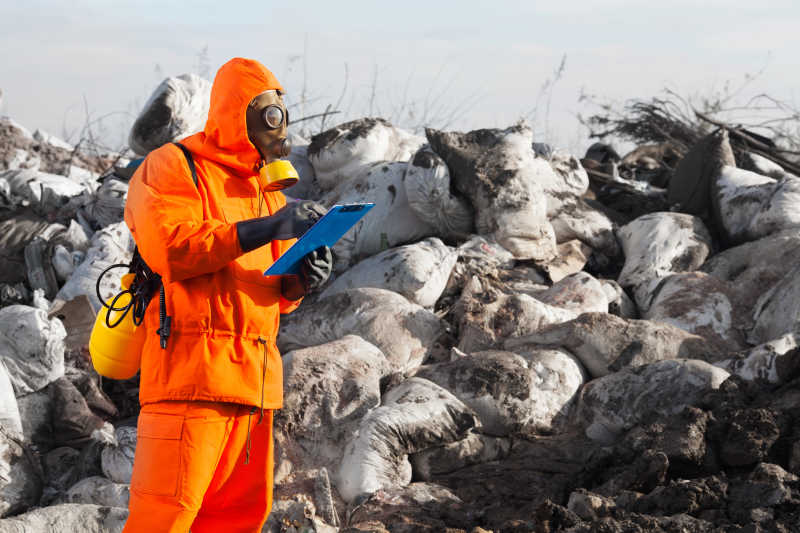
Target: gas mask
[{"x": 267, "y": 120}]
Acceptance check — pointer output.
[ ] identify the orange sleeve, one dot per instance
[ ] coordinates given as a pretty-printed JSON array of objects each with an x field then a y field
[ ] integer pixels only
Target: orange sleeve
[{"x": 164, "y": 212}]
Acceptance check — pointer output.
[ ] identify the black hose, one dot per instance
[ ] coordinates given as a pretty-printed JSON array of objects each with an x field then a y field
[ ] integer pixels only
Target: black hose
[
  {"x": 144, "y": 285},
  {"x": 124, "y": 310},
  {"x": 97, "y": 287}
]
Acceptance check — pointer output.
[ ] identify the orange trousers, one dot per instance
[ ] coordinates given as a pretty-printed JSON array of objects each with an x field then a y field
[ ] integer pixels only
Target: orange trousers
[{"x": 202, "y": 466}]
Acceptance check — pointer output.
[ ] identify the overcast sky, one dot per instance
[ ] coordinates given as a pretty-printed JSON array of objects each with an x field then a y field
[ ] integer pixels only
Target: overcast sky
[{"x": 486, "y": 60}]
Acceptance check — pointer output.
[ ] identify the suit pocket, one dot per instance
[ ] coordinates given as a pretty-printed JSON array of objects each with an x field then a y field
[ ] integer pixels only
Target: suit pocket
[{"x": 158, "y": 459}]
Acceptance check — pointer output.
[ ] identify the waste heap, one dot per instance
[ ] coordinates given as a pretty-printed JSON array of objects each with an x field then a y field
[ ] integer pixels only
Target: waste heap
[{"x": 505, "y": 345}]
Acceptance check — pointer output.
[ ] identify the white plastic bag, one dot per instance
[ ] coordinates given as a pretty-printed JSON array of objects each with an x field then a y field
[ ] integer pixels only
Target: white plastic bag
[
  {"x": 32, "y": 347},
  {"x": 428, "y": 189},
  {"x": 340, "y": 153},
  {"x": 392, "y": 222},
  {"x": 500, "y": 175},
  {"x": 30, "y": 184},
  {"x": 413, "y": 416},
  {"x": 417, "y": 271},
  {"x": 9, "y": 410},
  {"x": 113, "y": 244},
  {"x": 177, "y": 108}
]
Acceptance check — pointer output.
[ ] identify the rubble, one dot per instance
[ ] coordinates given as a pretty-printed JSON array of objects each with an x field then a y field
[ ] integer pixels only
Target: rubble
[
  {"x": 108, "y": 204},
  {"x": 572, "y": 257},
  {"x": 73, "y": 423},
  {"x": 295, "y": 515},
  {"x": 619, "y": 303},
  {"x": 77, "y": 316},
  {"x": 16, "y": 232},
  {"x": 416, "y": 507},
  {"x": 36, "y": 415},
  {"x": 755, "y": 267},
  {"x": 514, "y": 339}
]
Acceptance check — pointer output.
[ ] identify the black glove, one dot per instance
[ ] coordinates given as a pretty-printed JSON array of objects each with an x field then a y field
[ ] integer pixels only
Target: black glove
[
  {"x": 316, "y": 268},
  {"x": 288, "y": 222}
]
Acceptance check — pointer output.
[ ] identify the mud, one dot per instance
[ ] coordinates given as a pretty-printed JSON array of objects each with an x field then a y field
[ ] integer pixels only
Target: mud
[{"x": 670, "y": 475}]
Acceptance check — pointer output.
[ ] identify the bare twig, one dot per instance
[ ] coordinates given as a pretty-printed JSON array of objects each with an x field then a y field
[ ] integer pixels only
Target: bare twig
[
  {"x": 557, "y": 75},
  {"x": 546, "y": 91},
  {"x": 373, "y": 87},
  {"x": 324, "y": 116},
  {"x": 318, "y": 115},
  {"x": 674, "y": 119},
  {"x": 754, "y": 145},
  {"x": 344, "y": 87}
]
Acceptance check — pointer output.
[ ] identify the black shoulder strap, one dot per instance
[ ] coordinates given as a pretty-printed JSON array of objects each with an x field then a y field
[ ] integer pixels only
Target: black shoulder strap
[
  {"x": 164, "y": 320},
  {"x": 189, "y": 160}
]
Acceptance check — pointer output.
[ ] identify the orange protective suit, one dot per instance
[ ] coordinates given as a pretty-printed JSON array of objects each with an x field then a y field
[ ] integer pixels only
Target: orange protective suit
[
  {"x": 190, "y": 473},
  {"x": 221, "y": 353}
]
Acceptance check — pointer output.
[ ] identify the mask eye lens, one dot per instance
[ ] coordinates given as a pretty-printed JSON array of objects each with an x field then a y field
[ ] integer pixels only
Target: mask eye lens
[{"x": 273, "y": 116}]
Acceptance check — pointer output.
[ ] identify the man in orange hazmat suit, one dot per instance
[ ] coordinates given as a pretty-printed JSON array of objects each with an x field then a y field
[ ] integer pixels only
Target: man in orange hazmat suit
[{"x": 212, "y": 375}]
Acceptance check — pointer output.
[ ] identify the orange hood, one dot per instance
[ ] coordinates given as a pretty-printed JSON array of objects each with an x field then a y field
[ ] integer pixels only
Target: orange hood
[{"x": 224, "y": 138}]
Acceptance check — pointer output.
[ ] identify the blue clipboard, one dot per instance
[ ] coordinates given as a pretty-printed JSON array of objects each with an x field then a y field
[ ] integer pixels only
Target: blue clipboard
[{"x": 327, "y": 230}]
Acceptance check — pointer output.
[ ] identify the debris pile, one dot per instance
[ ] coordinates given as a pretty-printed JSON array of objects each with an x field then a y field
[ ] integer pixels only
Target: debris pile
[{"x": 513, "y": 339}]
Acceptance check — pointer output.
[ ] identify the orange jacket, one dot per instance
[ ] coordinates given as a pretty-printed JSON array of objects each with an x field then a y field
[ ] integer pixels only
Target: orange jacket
[{"x": 224, "y": 312}]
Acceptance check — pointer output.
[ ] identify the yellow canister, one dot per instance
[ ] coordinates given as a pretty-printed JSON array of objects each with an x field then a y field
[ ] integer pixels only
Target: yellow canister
[
  {"x": 116, "y": 352},
  {"x": 278, "y": 174}
]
